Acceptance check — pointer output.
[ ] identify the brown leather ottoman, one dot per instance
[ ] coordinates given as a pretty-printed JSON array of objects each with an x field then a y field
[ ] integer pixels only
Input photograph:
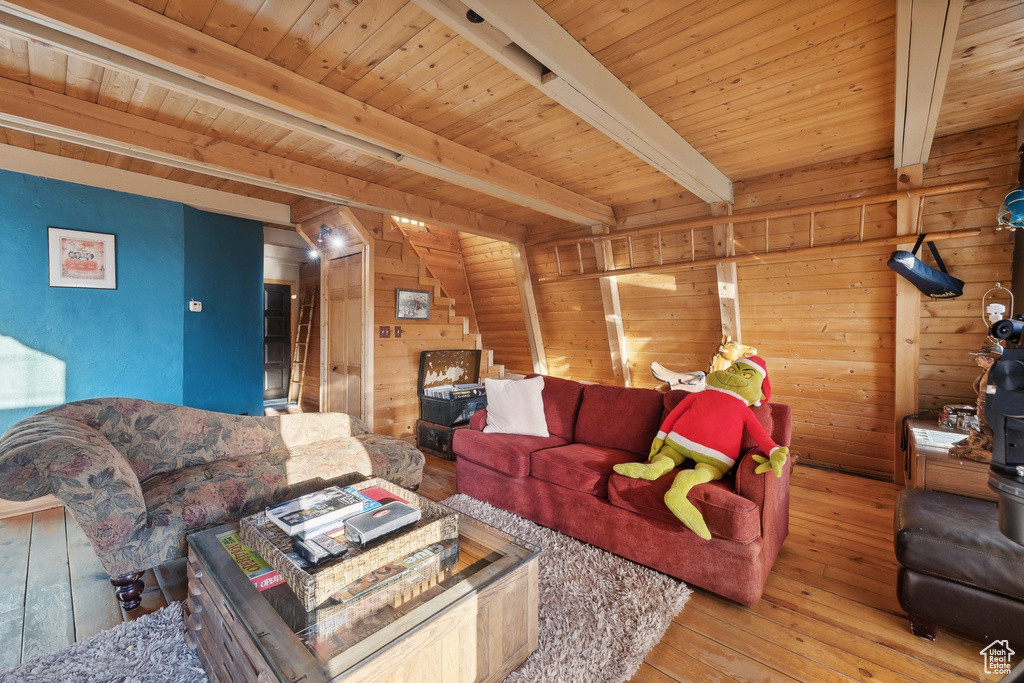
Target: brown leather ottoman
[{"x": 957, "y": 569}]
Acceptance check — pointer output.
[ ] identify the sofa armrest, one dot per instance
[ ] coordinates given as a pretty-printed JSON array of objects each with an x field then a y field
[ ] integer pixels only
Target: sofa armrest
[
  {"x": 305, "y": 428},
  {"x": 770, "y": 493},
  {"x": 479, "y": 420},
  {"x": 45, "y": 454}
]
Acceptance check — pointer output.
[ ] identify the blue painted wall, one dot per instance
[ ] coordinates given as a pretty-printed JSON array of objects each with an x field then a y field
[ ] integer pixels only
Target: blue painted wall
[
  {"x": 131, "y": 341},
  {"x": 223, "y": 351}
]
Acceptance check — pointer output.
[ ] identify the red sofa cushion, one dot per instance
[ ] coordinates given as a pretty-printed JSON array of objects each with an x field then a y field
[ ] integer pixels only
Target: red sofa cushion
[
  {"x": 505, "y": 453},
  {"x": 581, "y": 467},
  {"x": 727, "y": 514},
  {"x": 562, "y": 398},
  {"x": 622, "y": 418}
]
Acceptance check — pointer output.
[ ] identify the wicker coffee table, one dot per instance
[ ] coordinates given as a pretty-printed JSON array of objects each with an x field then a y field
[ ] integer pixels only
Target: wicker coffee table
[{"x": 477, "y": 622}]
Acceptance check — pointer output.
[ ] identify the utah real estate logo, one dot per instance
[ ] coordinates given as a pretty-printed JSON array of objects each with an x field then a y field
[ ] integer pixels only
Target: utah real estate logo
[{"x": 997, "y": 657}]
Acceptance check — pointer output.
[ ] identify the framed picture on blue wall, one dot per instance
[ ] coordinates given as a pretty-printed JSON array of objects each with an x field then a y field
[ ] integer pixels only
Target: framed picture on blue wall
[{"x": 82, "y": 259}]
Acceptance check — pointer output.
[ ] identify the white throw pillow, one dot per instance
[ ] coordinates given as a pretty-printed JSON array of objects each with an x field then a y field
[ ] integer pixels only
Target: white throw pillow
[{"x": 515, "y": 406}]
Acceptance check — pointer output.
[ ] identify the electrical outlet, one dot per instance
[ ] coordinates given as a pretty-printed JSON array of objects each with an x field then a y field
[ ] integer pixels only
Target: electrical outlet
[
  {"x": 398, "y": 331},
  {"x": 384, "y": 332}
]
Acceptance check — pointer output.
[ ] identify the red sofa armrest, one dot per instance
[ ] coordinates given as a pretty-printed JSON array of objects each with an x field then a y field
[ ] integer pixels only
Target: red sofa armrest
[
  {"x": 769, "y": 492},
  {"x": 479, "y": 420}
]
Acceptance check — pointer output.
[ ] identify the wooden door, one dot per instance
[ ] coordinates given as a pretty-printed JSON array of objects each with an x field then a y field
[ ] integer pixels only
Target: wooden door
[
  {"x": 345, "y": 346},
  {"x": 277, "y": 357}
]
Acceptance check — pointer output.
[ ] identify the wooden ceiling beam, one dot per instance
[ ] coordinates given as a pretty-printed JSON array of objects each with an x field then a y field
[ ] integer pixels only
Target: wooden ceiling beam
[
  {"x": 127, "y": 36},
  {"x": 925, "y": 34},
  {"x": 43, "y": 112},
  {"x": 45, "y": 165},
  {"x": 525, "y": 39}
]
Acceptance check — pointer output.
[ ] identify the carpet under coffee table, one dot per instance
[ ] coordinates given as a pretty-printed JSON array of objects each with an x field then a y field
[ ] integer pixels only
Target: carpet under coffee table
[{"x": 477, "y": 625}]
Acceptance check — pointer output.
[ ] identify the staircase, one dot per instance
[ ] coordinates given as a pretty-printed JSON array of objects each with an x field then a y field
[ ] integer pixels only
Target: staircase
[{"x": 396, "y": 415}]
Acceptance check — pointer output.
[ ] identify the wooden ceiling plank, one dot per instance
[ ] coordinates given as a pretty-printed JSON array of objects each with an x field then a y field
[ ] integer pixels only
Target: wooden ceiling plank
[
  {"x": 84, "y": 79},
  {"x": 314, "y": 27},
  {"x": 446, "y": 55},
  {"x": 202, "y": 117},
  {"x": 391, "y": 41},
  {"x": 584, "y": 86},
  {"x": 47, "y": 68},
  {"x": 30, "y": 108},
  {"x": 146, "y": 97},
  {"x": 496, "y": 101},
  {"x": 445, "y": 88},
  {"x": 270, "y": 25},
  {"x": 838, "y": 88},
  {"x": 656, "y": 42},
  {"x": 476, "y": 93},
  {"x": 925, "y": 37},
  {"x": 14, "y": 58},
  {"x": 596, "y": 27},
  {"x": 192, "y": 13},
  {"x": 791, "y": 60},
  {"x": 369, "y": 20},
  {"x": 209, "y": 64},
  {"x": 175, "y": 107},
  {"x": 229, "y": 19}
]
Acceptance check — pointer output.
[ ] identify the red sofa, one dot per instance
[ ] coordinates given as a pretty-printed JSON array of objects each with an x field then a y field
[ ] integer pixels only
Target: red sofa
[{"x": 565, "y": 482}]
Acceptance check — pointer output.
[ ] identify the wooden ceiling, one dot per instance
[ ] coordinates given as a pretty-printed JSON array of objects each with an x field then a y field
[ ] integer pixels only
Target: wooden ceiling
[{"x": 264, "y": 97}]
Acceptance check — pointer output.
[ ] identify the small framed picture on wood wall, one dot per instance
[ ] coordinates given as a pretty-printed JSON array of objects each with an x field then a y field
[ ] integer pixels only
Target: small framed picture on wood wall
[
  {"x": 412, "y": 304},
  {"x": 82, "y": 259}
]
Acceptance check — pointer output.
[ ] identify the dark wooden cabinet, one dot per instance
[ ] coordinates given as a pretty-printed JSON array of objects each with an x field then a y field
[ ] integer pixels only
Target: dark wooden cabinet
[{"x": 436, "y": 439}]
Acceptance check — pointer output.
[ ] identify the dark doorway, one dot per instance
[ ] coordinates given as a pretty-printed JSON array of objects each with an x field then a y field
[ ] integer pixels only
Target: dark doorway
[{"x": 277, "y": 357}]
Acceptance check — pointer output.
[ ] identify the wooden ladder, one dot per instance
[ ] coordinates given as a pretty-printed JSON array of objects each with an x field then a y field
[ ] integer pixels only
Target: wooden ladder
[{"x": 300, "y": 349}]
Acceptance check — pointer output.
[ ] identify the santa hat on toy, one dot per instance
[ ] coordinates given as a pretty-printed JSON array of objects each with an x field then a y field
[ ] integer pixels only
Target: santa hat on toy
[{"x": 757, "y": 364}]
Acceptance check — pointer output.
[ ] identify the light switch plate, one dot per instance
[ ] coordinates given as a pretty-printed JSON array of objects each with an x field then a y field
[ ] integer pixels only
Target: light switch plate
[{"x": 384, "y": 332}]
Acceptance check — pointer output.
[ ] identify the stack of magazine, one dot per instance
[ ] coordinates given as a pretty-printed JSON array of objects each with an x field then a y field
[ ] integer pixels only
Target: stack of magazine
[{"x": 455, "y": 391}]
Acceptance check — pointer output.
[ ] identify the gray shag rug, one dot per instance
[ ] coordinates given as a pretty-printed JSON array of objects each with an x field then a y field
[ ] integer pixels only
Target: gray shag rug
[
  {"x": 599, "y": 614},
  {"x": 599, "y": 617},
  {"x": 150, "y": 649}
]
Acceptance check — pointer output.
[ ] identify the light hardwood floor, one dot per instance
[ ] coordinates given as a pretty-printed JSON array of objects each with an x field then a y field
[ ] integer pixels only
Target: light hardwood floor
[{"x": 829, "y": 612}]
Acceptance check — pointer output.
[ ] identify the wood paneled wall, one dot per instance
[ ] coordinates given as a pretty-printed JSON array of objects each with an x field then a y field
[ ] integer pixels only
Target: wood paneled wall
[
  {"x": 951, "y": 329},
  {"x": 499, "y": 308},
  {"x": 824, "y": 321},
  {"x": 396, "y": 360},
  {"x": 571, "y": 318}
]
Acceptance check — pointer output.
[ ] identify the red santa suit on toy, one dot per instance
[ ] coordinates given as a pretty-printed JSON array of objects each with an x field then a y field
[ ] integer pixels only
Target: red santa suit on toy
[{"x": 708, "y": 426}]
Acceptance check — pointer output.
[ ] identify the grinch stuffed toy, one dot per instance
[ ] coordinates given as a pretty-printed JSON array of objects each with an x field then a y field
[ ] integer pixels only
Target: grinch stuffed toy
[{"x": 707, "y": 427}]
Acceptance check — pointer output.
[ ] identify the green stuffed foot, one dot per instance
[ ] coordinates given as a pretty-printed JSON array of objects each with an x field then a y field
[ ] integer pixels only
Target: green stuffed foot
[
  {"x": 681, "y": 507},
  {"x": 661, "y": 464}
]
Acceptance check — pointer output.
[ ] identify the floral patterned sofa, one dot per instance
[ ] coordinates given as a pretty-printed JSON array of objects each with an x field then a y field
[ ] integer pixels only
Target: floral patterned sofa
[{"x": 139, "y": 476}]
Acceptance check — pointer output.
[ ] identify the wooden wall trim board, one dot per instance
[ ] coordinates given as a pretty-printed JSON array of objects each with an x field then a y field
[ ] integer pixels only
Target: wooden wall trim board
[
  {"x": 663, "y": 221},
  {"x": 757, "y": 257},
  {"x": 532, "y": 319},
  {"x": 908, "y": 319},
  {"x": 728, "y": 284},
  {"x": 612, "y": 310}
]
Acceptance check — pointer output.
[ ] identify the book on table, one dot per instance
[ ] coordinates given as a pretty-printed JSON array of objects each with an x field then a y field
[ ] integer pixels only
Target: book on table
[
  {"x": 315, "y": 510},
  {"x": 262, "y": 575}
]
